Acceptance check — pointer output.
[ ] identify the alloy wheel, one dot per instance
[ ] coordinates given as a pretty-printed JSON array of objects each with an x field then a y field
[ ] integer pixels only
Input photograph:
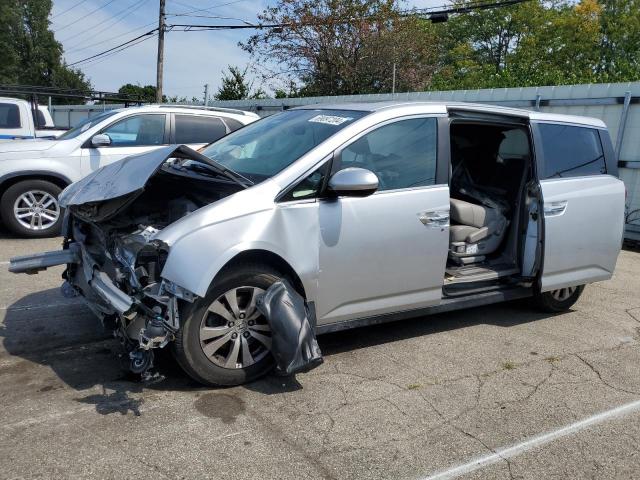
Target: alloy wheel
[
  {"x": 36, "y": 210},
  {"x": 562, "y": 294},
  {"x": 233, "y": 332}
]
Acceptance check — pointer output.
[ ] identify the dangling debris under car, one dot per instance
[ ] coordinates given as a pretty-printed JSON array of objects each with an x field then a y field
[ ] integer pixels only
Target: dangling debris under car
[{"x": 294, "y": 343}]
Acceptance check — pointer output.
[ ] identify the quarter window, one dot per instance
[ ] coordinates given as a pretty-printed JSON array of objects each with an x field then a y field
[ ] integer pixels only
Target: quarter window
[
  {"x": 9, "y": 116},
  {"x": 402, "y": 154},
  {"x": 198, "y": 129},
  {"x": 309, "y": 187},
  {"x": 137, "y": 131},
  {"x": 571, "y": 151}
]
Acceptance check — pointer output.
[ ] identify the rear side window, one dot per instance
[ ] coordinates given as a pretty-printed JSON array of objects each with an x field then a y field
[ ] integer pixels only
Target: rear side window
[
  {"x": 233, "y": 124},
  {"x": 198, "y": 129},
  {"x": 9, "y": 116},
  {"x": 571, "y": 151},
  {"x": 39, "y": 119}
]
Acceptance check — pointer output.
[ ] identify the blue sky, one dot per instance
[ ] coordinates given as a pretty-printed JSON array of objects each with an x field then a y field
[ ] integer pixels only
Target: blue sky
[{"x": 191, "y": 58}]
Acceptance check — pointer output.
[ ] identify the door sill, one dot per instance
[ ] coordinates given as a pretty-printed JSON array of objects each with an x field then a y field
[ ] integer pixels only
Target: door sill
[{"x": 478, "y": 273}]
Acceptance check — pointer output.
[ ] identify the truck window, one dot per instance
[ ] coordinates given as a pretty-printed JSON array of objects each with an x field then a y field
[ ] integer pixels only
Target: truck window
[
  {"x": 571, "y": 151},
  {"x": 198, "y": 129},
  {"x": 9, "y": 116},
  {"x": 38, "y": 118}
]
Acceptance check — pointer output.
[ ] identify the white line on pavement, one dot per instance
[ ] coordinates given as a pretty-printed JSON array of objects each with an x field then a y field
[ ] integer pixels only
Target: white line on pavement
[
  {"x": 4, "y": 263},
  {"x": 507, "y": 452}
]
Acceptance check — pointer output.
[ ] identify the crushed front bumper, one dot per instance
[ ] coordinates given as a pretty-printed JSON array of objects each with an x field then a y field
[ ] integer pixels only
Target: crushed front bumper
[{"x": 102, "y": 295}]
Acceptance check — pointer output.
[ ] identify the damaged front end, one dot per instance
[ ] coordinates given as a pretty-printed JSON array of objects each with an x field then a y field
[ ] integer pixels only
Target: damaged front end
[{"x": 114, "y": 260}]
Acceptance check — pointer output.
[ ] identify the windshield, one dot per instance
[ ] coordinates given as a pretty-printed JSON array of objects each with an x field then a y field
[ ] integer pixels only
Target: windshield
[
  {"x": 85, "y": 125},
  {"x": 264, "y": 148}
]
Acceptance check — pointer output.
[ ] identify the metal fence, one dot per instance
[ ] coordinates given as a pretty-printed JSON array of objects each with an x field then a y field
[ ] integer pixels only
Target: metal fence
[{"x": 617, "y": 104}]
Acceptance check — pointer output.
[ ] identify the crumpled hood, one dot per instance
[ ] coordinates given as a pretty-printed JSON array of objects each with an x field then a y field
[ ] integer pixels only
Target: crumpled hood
[{"x": 125, "y": 177}]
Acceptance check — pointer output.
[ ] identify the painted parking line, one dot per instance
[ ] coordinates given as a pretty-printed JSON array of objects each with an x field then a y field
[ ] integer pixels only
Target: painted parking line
[{"x": 505, "y": 453}]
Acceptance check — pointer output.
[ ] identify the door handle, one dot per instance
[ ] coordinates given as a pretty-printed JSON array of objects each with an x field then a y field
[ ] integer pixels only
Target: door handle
[
  {"x": 434, "y": 218},
  {"x": 555, "y": 209}
]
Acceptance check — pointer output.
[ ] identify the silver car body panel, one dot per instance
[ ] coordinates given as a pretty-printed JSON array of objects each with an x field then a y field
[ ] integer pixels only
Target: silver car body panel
[
  {"x": 300, "y": 232},
  {"x": 377, "y": 255},
  {"x": 583, "y": 225},
  {"x": 203, "y": 242},
  {"x": 360, "y": 275}
]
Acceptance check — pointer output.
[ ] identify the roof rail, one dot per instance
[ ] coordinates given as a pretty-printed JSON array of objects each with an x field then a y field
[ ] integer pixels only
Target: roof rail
[{"x": 202, "y": 107}]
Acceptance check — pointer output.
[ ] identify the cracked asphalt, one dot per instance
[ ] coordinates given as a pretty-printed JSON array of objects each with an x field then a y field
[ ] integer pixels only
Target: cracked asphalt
[{"x": 402, "y": 400}]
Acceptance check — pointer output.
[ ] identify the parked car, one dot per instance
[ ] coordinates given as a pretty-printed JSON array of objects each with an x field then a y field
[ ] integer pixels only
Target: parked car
[
  {"x": 19, "y": 120},
  {"x": 373, "y": 212},
  {"x": 33, "y": 173}
]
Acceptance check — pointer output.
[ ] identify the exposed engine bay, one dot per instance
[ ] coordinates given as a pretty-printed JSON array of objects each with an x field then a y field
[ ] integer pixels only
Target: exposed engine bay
[{"x": 113, "y": 259}]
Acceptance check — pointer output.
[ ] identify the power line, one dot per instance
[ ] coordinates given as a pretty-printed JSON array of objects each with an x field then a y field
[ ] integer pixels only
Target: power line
[
  {"x": 122, "y": 14},
  {"x": 146, "y": 34},
  {"x": 83, "y": 17},
  {"x": 469, "y": 7},
  {"x": 195, "y": 28},
  {"x": 197, "y": 10},
  {"x": 103, "y": 58},
  {"x": 477, "y": 5},
  {"x": 69, "y": 9},
  {"x": 120, "y": 35}
]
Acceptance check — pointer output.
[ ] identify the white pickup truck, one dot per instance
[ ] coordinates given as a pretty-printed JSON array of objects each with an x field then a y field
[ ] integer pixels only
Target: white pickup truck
[{"x": 18, "y": 121}]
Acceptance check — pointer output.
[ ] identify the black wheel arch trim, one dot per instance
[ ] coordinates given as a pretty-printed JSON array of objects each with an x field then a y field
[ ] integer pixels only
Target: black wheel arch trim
[{"x": 31, "y": 174}]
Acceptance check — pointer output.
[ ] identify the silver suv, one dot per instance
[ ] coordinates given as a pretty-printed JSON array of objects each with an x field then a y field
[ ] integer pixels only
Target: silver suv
[
  {"x": 373, "y": 212},
  {"x": 33, "y": 173}
]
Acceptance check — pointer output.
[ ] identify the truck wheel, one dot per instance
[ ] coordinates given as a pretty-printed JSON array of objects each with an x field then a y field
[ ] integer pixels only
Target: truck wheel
[
  {"x": 559, "y": 300},
  {"x": 30, "y": 209},
  {"x": 223, "y": 339}
]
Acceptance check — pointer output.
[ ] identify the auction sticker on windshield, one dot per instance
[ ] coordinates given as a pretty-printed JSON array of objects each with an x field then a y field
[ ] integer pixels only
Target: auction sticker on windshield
[{"x": 330, "y": 119}]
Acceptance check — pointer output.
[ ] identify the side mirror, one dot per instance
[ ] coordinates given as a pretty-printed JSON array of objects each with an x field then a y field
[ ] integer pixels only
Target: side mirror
[
  {"x": 353, "y": 182},
  {"x": 100, "y": 140}
]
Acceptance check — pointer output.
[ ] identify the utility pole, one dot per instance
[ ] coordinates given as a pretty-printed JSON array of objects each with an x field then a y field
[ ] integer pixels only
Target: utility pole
[
  {"x": 160, "y": 64},
  {"x": 393, "y": 81},
  {"x": 206, "y": 94}
]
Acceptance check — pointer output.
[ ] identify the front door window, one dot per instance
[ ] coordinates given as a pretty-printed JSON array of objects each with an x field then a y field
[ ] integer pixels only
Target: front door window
[{"x": 137, "y": 131}]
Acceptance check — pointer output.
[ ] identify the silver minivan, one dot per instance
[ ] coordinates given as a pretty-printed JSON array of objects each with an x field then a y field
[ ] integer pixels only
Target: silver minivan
[{"x": 373, "y": 212}]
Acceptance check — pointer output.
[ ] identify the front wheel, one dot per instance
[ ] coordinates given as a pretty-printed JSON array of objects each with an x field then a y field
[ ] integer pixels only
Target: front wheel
[
  {"x": 30, "y": 209},
  {"x": 559, "y": 300},
  {"x": 223, "y": 339}
]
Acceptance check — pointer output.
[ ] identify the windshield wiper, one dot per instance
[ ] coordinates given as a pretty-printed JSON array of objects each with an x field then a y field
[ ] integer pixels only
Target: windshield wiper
[{"x": 216, "y": 167}]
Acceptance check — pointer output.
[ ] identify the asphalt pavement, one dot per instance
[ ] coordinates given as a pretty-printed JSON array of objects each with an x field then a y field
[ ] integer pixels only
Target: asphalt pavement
[{"x": 495, "y": 392}]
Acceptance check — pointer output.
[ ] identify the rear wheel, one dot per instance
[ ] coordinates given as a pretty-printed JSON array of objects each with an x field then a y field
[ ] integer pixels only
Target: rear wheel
[
  {"x": 30, "y": 209},
  {"x": 224, "y": 340},
  {"x": 558, "y": 300}
]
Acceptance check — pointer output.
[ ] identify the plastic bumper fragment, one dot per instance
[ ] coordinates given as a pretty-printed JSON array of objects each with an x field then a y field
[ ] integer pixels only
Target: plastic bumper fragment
[{"x": 294, "y": 343}]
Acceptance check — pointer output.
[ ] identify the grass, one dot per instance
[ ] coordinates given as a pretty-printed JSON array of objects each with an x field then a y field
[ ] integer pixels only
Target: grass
[{"x": 509, "y": 365}]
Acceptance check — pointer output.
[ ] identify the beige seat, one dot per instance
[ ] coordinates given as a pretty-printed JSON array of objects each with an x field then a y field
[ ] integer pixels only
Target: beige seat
[{"x": 475, "y": 231}]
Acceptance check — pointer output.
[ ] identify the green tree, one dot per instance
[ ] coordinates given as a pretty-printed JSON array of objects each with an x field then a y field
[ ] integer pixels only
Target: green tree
[
  {"x": 29, "y": 53},
  {"x": 334, "y": 47},
  {"x": 541, "y": 43},
  {"x": 619, "y": 47},
  {"x": 147, "y": 93},
  {"x": 236, "y": 86}
]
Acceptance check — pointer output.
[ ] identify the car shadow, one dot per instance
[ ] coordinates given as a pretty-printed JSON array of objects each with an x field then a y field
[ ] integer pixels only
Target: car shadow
[{"x": 62, "y": 334}]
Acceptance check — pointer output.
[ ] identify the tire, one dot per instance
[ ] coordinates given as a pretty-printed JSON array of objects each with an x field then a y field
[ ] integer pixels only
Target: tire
[
  {"x": 36, "y": 201},
  {"x": 559, "y": 300},
  {"x": 212, "y": 315}
]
